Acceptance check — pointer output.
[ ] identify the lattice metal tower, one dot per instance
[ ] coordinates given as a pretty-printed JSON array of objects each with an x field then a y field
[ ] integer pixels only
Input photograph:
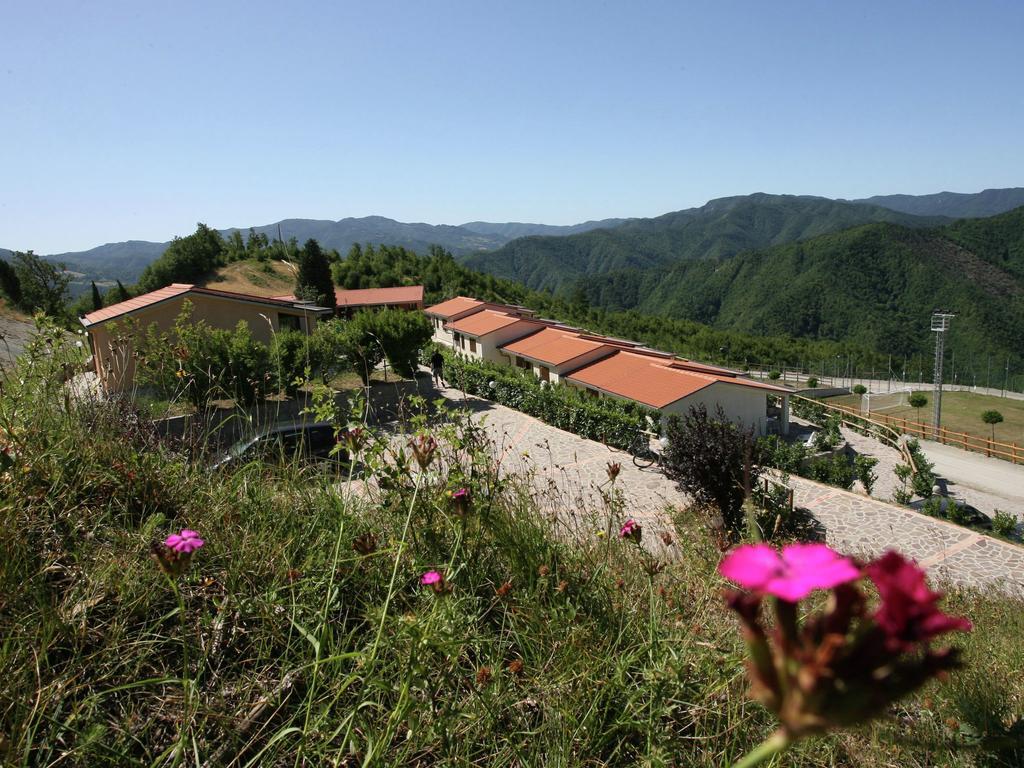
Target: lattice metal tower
[{"x": 940, "y": 324}]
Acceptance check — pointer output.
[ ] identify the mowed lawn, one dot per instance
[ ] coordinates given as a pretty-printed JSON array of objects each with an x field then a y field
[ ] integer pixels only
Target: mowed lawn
[{"x": 961, "y": 412}]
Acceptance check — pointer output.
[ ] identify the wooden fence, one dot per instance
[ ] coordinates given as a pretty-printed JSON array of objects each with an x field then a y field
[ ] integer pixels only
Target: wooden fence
[{"x": 965, "y": 440}]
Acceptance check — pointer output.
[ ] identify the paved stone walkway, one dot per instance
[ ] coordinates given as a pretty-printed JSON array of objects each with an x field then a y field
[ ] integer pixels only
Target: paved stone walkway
[{"x": 569, "y": 472}]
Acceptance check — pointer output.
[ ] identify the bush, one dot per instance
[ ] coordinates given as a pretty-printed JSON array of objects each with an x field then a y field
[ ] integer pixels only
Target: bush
[
  {"x": 812, "y": 382},
  {"x": 774, "y": 375},
  {"x": 775, "y": 452},
  {"x": 1004, "y": 524},
  {"x": 859, "y": 389},
  {"x": 403, "y": 335},
  {"x": 289, "y": 359},
  {"x": 835, "y": 470},
  {"x": 864, "y": 468},
  {"x": 710, "y": 459},
  {"x": 614, "y": 422}
]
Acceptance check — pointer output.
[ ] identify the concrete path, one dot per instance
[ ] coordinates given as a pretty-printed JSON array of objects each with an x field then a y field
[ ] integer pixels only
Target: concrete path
[
  {"x": 984, "y": 482},
  {"x": 569, "y": 474}
]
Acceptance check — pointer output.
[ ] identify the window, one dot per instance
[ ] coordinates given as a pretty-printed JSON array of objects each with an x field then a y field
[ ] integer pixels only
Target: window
[
  {"x": 522, "y": 363},
  {"x": 289, "y": 322},
  {"x": 472, "y": 345}
]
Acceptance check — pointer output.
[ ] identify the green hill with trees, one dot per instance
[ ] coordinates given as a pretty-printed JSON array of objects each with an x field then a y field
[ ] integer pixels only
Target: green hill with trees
[{"x": 719, "y": 229}]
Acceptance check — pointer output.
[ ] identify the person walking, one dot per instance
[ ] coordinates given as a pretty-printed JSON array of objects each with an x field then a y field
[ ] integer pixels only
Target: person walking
[{"x": 437, "y": 367}]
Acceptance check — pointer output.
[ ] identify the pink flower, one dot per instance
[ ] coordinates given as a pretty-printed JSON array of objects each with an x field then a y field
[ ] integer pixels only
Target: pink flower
[
  {"x": 430, "y": 578},
  {"x": 908, "y": 613},
  {"x": 461, "y": 493},
  {"x": 791, "y": 576},
  {"x": 631, "y": 529},
  {"x": 184, "y": 543}
]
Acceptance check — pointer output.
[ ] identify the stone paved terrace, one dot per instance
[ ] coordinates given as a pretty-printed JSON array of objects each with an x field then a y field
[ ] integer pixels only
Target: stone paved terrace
[{"x": 570, "y": 469}]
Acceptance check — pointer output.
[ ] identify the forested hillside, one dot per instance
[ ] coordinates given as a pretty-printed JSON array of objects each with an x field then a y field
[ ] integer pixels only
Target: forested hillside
[
  {"x": 874, "y": 286},
  {"x": 718, "y": 229},
  {"x": 957, "y": 205}
]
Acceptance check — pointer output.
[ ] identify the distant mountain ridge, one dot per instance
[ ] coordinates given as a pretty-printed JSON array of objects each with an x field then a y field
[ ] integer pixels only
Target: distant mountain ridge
[
  {"x": 718, "y": 229},
  {"x": 955, "y": 205},
  {"x": 125, "y": 261}
]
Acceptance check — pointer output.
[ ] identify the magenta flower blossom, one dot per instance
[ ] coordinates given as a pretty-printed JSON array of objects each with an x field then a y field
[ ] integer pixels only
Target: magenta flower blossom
[
  {"x": 909, "y": 612},
  {"x": 792, "y": 575},
  {"x": 630, "y": 530},
  {"x": 461, "y": 493},
  {"x": 184, "y": 543},
  {"x": 430, "y": 578}
]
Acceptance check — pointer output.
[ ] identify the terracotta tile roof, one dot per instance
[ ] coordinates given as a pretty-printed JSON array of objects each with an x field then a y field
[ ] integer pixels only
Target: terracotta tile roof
[
  {"x": 364, "y": 297},
  {"x": 179, "y": 289},
  {"x": 453, "y": 307},
  {"x": 139, "y": 302},
  {"x": 655, "y": 381},
  {"x": 647, "y": 380},
  {"x": 486, "y": 321},
  {"x": 554, "y": 346}
]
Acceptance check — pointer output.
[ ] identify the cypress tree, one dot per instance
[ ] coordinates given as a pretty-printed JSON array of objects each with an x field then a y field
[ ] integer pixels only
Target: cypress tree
[
  {"x": 97, "y": 300},
  {"x": 314, "y": 283}
]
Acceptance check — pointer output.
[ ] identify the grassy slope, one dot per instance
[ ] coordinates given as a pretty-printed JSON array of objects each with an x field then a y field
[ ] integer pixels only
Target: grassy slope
[
  {"x": 261, "y": 278},
  {"x": 961, "y": 412},
  {"x": 302, "y": 650}
]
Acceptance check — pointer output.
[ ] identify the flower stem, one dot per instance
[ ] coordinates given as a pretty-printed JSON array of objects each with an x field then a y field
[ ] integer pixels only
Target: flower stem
[{"x": 774, "y": 745}]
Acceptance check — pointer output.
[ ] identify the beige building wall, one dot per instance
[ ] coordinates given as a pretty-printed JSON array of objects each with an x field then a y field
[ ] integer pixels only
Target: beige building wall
[
  {"x": 112, "y": 340},
  {"x": 745, "y": 406}
]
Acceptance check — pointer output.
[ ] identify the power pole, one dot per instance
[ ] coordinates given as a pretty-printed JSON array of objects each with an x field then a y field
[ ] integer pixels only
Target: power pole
[{"x": 940, "y": 324}]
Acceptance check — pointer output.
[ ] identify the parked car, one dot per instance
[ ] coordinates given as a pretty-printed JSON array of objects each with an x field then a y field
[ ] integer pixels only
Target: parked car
[{"x": 282, "y": 443}]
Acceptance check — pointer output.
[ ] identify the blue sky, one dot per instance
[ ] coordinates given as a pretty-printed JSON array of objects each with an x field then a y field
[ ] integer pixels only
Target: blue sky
[{"x": 136, "y": 120}]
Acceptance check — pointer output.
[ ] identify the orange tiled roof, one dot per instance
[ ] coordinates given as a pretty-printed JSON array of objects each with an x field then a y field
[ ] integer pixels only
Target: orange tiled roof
[
  {"x": 454, "y": 306},
  {"x": 138, "y": 302},
  {"x": 484, "y": 322},
  {"x": 655, "y": 381},
  {"x": 179, "y": 289},
  {"x": 553, "y": 346},
  {"x": 365, "y": 297},
  {"x": 372, "y": 297}
]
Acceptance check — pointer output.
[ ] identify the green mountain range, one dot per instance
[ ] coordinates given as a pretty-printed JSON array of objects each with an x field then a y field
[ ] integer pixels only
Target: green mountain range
[
  {"x": 874, "y": 285},
  {"x": 719, "y": 229}
]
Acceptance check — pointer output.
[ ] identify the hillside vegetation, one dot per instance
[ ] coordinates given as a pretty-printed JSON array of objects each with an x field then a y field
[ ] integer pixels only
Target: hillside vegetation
[
  {"x": 720, "y": 229},
  {"x": 874, "y": 286},
  {"x": 304, "y": 631}
]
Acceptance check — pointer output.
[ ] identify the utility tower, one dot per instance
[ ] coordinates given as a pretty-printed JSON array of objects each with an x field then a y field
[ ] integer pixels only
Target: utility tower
[{"x": 940, "y": 324}]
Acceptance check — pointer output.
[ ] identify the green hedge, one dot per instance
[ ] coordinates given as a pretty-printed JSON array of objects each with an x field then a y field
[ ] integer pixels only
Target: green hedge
[{"x": 613, "y": 422}]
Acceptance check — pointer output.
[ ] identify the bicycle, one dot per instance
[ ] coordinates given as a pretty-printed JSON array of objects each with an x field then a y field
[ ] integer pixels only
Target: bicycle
[{"x": 643, "y": 455}]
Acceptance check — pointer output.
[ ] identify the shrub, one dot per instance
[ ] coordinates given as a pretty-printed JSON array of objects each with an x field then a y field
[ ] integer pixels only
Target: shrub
[
  {"x": 774, "y": 375},
  {"x": 775, "y": 452},
  {"x": 835, "y": 470},
  {"x": 289, "y": 359},
  {"x": 859, "y": 389},
  {"x": 812, "y": 382},
  {"x": 403, "y": 335},
  {"x": 710, "y": 459},
  {"x": 864, "y": 468},
  {"x": 1004, "y": 524},
  {"x": 614, "y": 422}
]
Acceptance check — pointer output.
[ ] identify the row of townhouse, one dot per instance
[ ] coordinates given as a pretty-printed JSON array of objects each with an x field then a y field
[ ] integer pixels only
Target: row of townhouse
[
  {"x": 111, "y": 329},
  {"x": 603, "y": 366}
]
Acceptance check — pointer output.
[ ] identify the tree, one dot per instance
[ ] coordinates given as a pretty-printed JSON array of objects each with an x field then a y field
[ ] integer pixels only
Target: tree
[
  {"x": 117, "y": 294},
  {"x": 97, "y": 300},
  {"x": 403, "y": 335},
  {"x": 186, "y": 260},
  {"x": 859, "y": 389},
  {"x": 710, "y": 459},
  {"x": 918, "y": 400},
  {"x": 313, "y": 282},
  {"x": 992, "y": 418},
  {"x": 9, "y": 283},
  {"x": 359, "y": 343},
  {"x": 43, "y": 285}
]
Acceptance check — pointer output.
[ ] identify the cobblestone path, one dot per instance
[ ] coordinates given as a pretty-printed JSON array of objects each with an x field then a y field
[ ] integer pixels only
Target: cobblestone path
[{"x": 570, "y": 472}]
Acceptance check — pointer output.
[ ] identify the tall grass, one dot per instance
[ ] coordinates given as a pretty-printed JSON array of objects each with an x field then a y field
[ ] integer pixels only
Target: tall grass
[{"x": 310, "y": 640}]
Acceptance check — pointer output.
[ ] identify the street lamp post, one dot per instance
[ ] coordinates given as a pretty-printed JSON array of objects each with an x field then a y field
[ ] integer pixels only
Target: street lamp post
[{"x": 940, "y": 324}]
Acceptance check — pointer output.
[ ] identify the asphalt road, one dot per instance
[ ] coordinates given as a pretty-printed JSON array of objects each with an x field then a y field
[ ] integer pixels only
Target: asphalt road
[{"x": 994, "y": 477}]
